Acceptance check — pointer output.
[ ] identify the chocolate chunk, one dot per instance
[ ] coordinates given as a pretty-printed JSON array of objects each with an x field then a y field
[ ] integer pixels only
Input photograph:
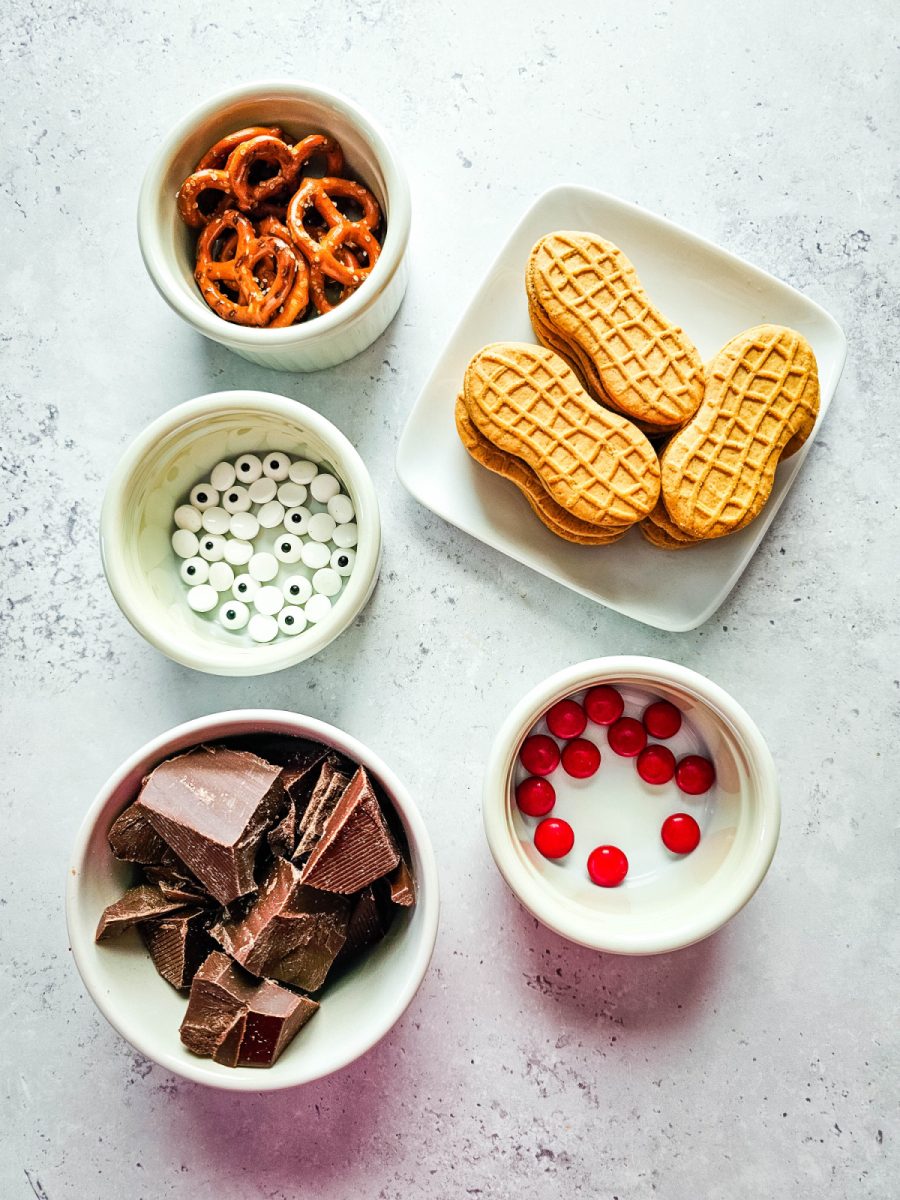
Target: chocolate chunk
[
  {"x": 177, "y": 883},
  {"x": 290, "y": 932},
  {"x": 133, "y": 839},
  {"x": 330, "y": 787},
  {"x": 370, "y": 919},
  {"x": 228, "y": 1050},
  {"x": 212, "y": 806},
  {"x": 141, "y": 903},
  {"x": 403, "y": 888},
  {"x": 356, "y": 846},
  {"x": 299, "y": 783},
  {"x": 178, "y": 945}
]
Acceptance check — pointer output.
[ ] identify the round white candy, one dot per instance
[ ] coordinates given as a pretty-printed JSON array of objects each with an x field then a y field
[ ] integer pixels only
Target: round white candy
[
  {"x": 341, "y": 508},
  {"x": 194, "y": 570},
  {"x": 222, "y": 476},
  {"x": 234, "y": 614},
  {"x": 303, "y": 471},
  {"x": 212, "y": 547},
  {"x": 184, "y": 543},
  {"x": 236, "y": 499},
  {"x": 291, "y": 494},
  {"x": 221, "y": 576},
  {"x": 342, "y": 561},
  {"x": 263, "y": 490},
  {"x": 270, "y": 514},
  {"x": 263, "y": 567},
  {"x": 315, "y": 555},
  {"x": 238, "y": 553},
  {"x": 317, "y": 607},
  {"x": 216, "y": 520},
  {"x": 188, "y": 517},
  {"x": 203, "y": 496},
  {"x": 243, "y": 525},
  {"x": 327, "y": 582},
  {"x": 269, "y": 600},
  {"x": 288, "y": 548},
  {"x": 244, "y": 587},
  {"x": 276, "y": 466},
  {"x": 345, "y": 536},
  {"x": 321, "y": 527},
  {"x": 323, "y": 487},
  {"x": 296, "y": 520},
  {"x": 263, "y": 628},
  {"x": 247, "y": 468},
  {"x": 297, "y": 589},
  {"x": 291, "y": 620},
  {"x": 203, "y": 598}
]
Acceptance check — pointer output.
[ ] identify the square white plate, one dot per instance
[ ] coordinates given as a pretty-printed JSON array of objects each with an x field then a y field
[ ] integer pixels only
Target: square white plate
[{"x": 713, "y": 295}]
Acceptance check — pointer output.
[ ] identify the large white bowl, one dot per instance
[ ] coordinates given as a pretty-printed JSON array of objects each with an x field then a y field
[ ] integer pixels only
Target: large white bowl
[
  {"x": 155, "y": 473},
  {"x": 684, "y": 901},
  {"x": 357, "y": 1010},
  {"x": 167, "y": 245}
]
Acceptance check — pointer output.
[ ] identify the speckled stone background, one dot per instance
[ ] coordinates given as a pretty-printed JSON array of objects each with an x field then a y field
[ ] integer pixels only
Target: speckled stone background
[{"x": 762, "y": 1063}]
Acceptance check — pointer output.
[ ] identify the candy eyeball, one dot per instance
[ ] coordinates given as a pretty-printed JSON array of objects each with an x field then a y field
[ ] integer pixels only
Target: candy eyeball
[
  {"x": 297, "y": 589},
  {"x": 276, "y": 466},
  {"x": 269, "y": 600},
  {"x": 204, "y": 496},
  {"x": 296, "y": 520},
  {"x": 340, "y": 508},
  {"x": 237, "y": 552},
  {"x": 194, "y": 570},
  {"x": 212, "y": 547},
  {"x": 243, "y": 525},
  {"x": 215, "y": 520},
  {"x": 203, "y": 598},
  {"x": 263, "y": 566},
  {"x": 324, "y": 487},
  {"x": 315, "y": 555},
  {"x": 234, "y": 614},
  {"x": 317, "y": 608},
  {"x": 321, "y": 527},
  {"x": 303, "y": 472},
  {"x": 342, "y": 561},
  {"x": 222, "y": 476},
  {"x": 263, "y": 490},
  {"x": 292, "y": 494},
  {"x": 326, "y": 581},
  {"x": 244, "y": 588},
  {"x": 271, "y": 514},
  {"x": 221, "y": 576},
  {"x": 247, "y": 468},
  {"x": 188, "y": 517},
  {"x": 291, "y": 620},
  {"x": 184, "y": 543},
  {"x": 345, "y": 536},
  {"x": 262, "y": 628},
  {"x": 288, "y": 548},
  {"x": 236, "y": 499}
]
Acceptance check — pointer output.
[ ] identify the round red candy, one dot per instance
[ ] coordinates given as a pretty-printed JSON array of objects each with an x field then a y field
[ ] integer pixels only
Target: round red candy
[
  {"x": 604, "y": 705},
  {"x": 580, "y": 758},
  {"x": 680, "y": 833},
  {"x": 566, "y": 719},
  {"x": 539, "y": 754},
  {"x": 554, "y": 838},
  {"x": 656, "y": 764},
  {"x": 535, "y": 797},
  {"x": 662, "y": 719},
  {"x": 607, "y": 866},
  {"x": 627, "y": 737},
  {"x": 695, "y": 775}
]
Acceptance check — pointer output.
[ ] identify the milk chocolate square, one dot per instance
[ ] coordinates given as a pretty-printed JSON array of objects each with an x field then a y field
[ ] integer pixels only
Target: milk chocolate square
[
  {"x": 178, "y": 945},
  {"x": 329, "y": 788},
  {"x": 141, "y": 903},
  {"x": 356, "y": 846}
]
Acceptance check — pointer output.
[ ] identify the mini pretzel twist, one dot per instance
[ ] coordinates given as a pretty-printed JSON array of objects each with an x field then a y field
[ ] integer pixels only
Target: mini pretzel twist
[
  {"x": 327, "y": 254},
  {"x": 297, "y": 301},
  {"x": 289, "y": 161},
  {"x": 217, "y": 155},
  {"x": 250, "y": 285},
  {"x": 207, "y": 182}
]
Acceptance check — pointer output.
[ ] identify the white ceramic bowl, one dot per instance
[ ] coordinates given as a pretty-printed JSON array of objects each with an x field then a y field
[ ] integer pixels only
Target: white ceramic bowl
[
  {"x": 154, "y": 475},
  {"x": 357, "y": 1010},
  {"x": 167, "y": 245},
  {"x": 668, "y": 903}
]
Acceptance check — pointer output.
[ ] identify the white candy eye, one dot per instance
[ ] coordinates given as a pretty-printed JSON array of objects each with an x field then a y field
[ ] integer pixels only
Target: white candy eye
[
  {"x": 270, "y": 514},
  {"x": 216, "y": 520},
  {"x": 204, "y": 496},
  {"x": 269, "y": 600},
  {"x": 303, "y": 471},
  {"x": 194, "y": 570},
  {"x": 212, "y": 547},
  {"x": 314, "y": 555},
  {"x": 234, "y": 615},
  {"x": 317, "y": 608},
  {"x": 276, "y": 466},
  {"x": 263, "y": 567},
  {"x": 184, "y": 543},
  {"x": 238, "y": 553},
  {"x": 327, "y": 582},
  {"x": 288, "y": 548},
  {"x": 247, "y": 468},
  {"x": 321, "y": 527},
  {"x": 263, "y": 628},
  {"x": 342, "y": 561},
  {"x": 222, "y": 476},
  {"x": 263, "y": 490},
  {"x": 221, "y": 576},
  {"x": 291, "y": 620},
  {"x": 296, "y": 520},
  {"x": 245, "y": 588},
  {"x": 292, "y": 494},
  {"x": 345, "y": 536},
  {"x": 297, "y": 589},
  {"x": 323, "y": 487},
  {"x": 203, "y": 598},
  {"x": 244, "y": 526},
  {"x": 341, "y": 509},
  {"x": 188, "y": 517},
  {"x": 236, "y": 499}
]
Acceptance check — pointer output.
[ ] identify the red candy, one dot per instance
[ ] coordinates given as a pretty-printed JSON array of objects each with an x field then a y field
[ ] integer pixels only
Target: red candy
[
  {"x": 695, "y": 775},
  {"x": 604, "y": 705},
  {"x": 539, "y": 754},
  {"x": 662, "y": 719},
  {"x": 680, "y": 833},
  {"x": 607, "y": 866},
  {"x": 554, "y": 838},
  {"x": 627, "y": 737},
  {"x": 580, "y": 758},
  {"x": 566, "y": 719},
  {"x": 656, "y": 764},
  {"x": 535, "y": 797}
]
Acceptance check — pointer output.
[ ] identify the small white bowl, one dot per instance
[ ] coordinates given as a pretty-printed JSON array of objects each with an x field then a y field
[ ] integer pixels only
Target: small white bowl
[
  {"x": 167, "y": 245},
  {"x": 357, "y": 1010},
  {"x": 154, "y": 475},
  {"x": 673, "y": 902}
]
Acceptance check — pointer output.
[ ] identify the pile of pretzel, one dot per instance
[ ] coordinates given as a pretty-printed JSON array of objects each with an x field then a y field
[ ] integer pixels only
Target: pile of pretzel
[{"x": 272, "y": 236}]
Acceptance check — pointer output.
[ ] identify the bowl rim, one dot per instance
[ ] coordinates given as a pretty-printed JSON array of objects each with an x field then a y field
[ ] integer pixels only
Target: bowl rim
[
  {"x": 280, "y": 654},
  {"x": 542, "y": 901},
  {"x": 238, "y": 721},
  {"x": 156, "y": 259}
]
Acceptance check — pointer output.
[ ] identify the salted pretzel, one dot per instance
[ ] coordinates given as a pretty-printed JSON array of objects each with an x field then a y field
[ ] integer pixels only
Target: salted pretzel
[
  {"x": 297, "y": 300},
  {"x": 243, "y": 278},
  {"x": 341, "y": 233},
  {"x": 288, "y": 162},
  {"x": 207, "y": 182},
  {"x": 217, "y": 155}
]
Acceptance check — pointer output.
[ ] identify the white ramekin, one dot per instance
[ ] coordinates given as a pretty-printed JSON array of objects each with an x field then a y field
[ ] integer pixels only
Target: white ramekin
[
  {"x": 154, "y": 474},
  {"x": 167, "y": 245},
  {"x": 357, "y": 1011},
  {"x": 710, "y": 886}
]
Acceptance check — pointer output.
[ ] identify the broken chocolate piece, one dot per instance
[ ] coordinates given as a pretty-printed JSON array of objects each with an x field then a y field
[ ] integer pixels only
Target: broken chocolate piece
[
  {"x": 324, "y": 800},
  {"x": 228, "y": 1051},
  {"x": 356, "y": 846},
  {"x": 283, "y": 838},
  {"x": 133, "y": 839},
  {"x": 403, "y": 889},
  {"x": 141, "y": 903},
  {"x": 212, "y": 806},
  {"x": 370, "y": 919},
  {"x": 178, "y": 945}
]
